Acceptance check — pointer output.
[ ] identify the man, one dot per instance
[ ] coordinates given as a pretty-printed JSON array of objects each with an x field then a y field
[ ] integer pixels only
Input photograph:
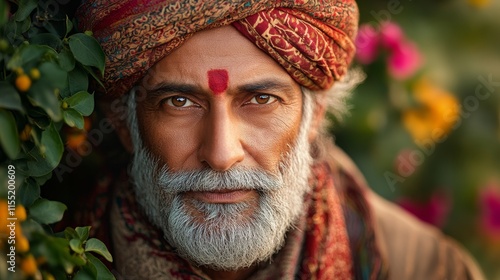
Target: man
[{"x": 232, "y": 176}]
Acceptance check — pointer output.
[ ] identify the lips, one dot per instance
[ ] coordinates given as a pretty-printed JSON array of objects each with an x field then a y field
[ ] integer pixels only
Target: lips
[{"x": 222, "y": 196}]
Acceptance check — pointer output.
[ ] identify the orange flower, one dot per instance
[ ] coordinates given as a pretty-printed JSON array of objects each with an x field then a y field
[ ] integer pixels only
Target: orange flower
[{"x": 436, "y": 116}]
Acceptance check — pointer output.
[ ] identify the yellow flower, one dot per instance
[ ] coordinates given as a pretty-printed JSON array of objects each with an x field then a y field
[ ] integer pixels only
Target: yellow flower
[{"x": 436, "y": 116}]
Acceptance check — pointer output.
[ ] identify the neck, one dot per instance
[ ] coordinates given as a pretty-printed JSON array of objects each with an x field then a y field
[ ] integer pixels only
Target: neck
[{"x": 240, "y": 274}]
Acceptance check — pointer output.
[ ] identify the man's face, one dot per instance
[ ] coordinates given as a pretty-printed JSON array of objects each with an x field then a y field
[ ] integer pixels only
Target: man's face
[
  {"x": 218, "y": 102},
  {"x": 219, "y": 163}
]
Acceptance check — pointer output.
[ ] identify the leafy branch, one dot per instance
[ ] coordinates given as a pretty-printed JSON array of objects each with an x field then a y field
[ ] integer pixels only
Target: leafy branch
[{"x": 45, "y": 66}]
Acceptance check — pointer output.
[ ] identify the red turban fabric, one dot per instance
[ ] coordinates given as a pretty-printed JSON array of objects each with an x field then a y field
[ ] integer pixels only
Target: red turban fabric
[{"x": 311, "y": 39}]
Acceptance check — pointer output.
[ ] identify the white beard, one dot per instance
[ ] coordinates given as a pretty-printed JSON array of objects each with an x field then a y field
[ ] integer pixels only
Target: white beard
[{"x": 225, "y": 239}]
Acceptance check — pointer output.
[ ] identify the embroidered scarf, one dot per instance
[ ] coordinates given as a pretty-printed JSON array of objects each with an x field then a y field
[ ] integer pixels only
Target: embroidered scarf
[{"x": 319, "y": 246}]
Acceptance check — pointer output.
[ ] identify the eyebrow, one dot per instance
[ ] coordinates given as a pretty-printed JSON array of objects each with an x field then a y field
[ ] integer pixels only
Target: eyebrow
[
  {"x": 170, "y": 87},
  {"x": 274, "y": 85},
  {"x": 266, "y": 85}
]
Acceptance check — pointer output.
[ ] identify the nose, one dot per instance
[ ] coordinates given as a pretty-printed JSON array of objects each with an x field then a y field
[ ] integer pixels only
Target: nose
[{"x": 221, "y": 146}]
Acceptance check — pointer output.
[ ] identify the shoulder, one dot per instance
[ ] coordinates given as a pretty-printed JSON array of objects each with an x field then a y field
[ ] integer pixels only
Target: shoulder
[
  {"x": 415, "y": 250},
  {"x": 410, "y": 249}
]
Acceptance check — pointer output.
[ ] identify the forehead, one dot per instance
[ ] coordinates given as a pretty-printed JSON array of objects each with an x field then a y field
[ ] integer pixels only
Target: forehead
[{"x": 221, "y": 49}]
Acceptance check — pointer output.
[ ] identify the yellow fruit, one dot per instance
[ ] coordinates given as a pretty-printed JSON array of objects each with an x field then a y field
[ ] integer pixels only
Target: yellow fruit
[
  {"x": 19, "y": 71},
  {"x": 74, "y": 141},
  {"x": 3, "y": 218},
  {"x": 35, "y": 74},
  {"x": 28, "y": 265},
  {"x": 23, "y": 82},
  {"x": 21, "y": 213},
  {"x": 22, "y": 244},
  {"x": 41, "y": 260},
  {"x": 25, "y": 135},
  {"x": 4, "y": 45}
]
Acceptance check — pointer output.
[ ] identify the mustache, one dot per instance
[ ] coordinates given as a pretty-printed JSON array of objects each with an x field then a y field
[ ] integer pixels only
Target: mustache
[{"x": 210, "y": 180}]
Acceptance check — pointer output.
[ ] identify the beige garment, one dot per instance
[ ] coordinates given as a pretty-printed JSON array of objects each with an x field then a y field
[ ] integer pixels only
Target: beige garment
[{"x": 411, "y": 249}]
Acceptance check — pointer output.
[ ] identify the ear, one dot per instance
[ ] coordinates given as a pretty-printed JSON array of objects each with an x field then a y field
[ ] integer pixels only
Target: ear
[
  {"x": 116, "y": 111},
  {"x": 318, "y": 116}
]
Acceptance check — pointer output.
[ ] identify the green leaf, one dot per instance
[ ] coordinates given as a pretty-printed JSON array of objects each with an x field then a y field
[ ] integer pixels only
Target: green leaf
[
  {"x": 83, "y": 232},
  {"x": 4, "y": 9},
  {"x": 29, "y": 54},
  {"x": 42, "y": 95},
  {"x": 70, "y": 233},
  {"x": 87, "y": 51},
  {"x": 93, "y": 74},
  {"x": 24, "y": 25},
  {"x": 53, "y": 74},
  {"x": 40, "y": 180},
  {"x": 9, "y": 138},
  {"x": 25, "y": 9},
  {"x": 103, "y": 272},
  {"x": 87, "y": 272},
  {"x": 78, "y": 80},
  {"x": 82, "y": 101},
  {"x": 76, "y": 245},
  {"x": 13, "y": 34},
  {"x": 31, "y": 227},
  {"x": 29, "y": 192},
  {"x": 98, "y": 247},
  {"x": 73, "y": 118},
  {"x": 47, "y": 212},
  {"x": 43, "y": 164},
  {"x": 66, "y": 61},
  {"x": 69, "y": 26},
  {"x": 53, "y": 145},
  {"x": 9, "y": 98},
  {"x": 48, "y": 39}
]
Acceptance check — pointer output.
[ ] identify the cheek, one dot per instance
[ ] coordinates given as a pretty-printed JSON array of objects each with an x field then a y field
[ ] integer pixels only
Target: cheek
[
  {"x": 174, "y": 147},
  {"x": 267, "y": 140}
]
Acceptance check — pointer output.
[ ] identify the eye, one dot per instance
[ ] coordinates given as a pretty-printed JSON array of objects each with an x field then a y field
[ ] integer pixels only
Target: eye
[
  {"x": 179, "y": 101},
  {"x": 263, "y": 99}
]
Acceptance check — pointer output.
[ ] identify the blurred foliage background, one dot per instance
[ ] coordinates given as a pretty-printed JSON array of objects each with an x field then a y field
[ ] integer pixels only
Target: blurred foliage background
[{"x": 425, "y": 125}]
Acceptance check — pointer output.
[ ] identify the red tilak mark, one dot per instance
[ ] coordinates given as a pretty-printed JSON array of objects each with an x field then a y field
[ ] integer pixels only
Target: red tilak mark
[{"x": 218, "y": 80}]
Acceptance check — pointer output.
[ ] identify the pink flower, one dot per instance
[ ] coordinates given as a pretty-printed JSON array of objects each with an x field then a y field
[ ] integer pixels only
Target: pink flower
[
  {"x": 434, "y": 211},
  {"x": 367, "y": 43},
  {"x": 489, "y": 201},
  {"x": 404, "y": 60},
  {"x": 391, "y": 35}
]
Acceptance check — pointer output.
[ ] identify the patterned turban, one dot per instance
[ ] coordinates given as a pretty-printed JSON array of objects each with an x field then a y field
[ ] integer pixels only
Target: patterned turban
[{"x": 311, "y": 39}]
